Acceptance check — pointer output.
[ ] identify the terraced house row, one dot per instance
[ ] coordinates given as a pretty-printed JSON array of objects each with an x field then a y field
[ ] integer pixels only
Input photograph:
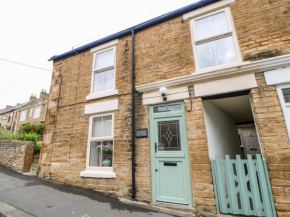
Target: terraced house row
[
  {"x": 190, "y": 108},
  {"x": 29, "y": 112}
]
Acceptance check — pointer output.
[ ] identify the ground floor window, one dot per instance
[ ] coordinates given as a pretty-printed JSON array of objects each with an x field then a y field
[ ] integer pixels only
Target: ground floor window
[{"x": 101, "y": 143}]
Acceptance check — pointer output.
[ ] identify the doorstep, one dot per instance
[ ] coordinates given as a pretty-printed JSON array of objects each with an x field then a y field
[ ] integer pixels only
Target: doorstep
[{"x": 172, "y": 209}]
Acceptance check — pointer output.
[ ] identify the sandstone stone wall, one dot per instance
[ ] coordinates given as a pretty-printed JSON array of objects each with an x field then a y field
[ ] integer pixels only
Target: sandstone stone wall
[
  {"x": 17, "y": 155},
  {"x": 263, "y": 27},
  {"x": 63, "y": 155},
  {"x": 274, "y": 141},
  {"x": 201, "y": 176}
]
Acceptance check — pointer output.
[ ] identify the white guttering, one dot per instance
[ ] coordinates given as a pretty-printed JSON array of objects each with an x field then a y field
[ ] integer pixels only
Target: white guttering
[{"x": 244, "y": 68}]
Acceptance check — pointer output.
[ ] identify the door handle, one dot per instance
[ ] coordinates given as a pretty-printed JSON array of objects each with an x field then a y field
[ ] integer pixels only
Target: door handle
[{"x": 155, "y": 147}]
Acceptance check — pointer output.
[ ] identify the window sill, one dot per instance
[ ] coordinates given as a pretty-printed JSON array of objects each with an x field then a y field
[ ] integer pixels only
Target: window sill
[
  {"x": 101, "y": 94},
  {"x": 220, "y": 67},
  {"x": 98, "y": 174}
]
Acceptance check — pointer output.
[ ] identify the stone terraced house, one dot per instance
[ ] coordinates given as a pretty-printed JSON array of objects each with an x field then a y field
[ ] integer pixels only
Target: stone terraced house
[
  {"x": 209, "y": 124},
  {"x": 32, "y": 111}
]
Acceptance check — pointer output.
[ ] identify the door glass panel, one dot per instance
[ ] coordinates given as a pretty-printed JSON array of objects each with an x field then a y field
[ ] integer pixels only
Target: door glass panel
[
  {"x": 168, "y": 136},
  {"x": 168, "y": 108},
  {"x": 286, "y": 94}
]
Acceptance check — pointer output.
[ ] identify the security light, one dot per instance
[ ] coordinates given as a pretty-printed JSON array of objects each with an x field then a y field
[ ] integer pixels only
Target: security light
[{"x": 163, "y": 91}]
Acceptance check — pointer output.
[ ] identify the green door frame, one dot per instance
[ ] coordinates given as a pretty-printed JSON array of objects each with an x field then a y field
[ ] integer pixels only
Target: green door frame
[{"x": 183, "y": 134}]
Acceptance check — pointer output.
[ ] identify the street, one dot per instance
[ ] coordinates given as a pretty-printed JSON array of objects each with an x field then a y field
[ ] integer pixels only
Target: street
[{"x": 45, "y": 199}]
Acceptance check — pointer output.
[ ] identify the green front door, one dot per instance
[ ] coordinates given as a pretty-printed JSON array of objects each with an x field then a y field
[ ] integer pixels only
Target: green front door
[{"x": 169, "y": 155}]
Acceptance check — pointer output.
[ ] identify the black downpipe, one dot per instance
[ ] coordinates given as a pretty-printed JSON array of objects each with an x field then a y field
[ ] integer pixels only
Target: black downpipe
[{"x": 133, "y": 117}]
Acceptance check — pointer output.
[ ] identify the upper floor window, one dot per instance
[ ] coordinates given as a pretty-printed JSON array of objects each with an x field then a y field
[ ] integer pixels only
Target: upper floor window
[
  {"x": 23, "y": 115},
  {"x": 104, "y": 71},
  {"x": 37, "y": 111},
  {"x": 214, "y": 40},
  {"x": 4, "y": 117}
]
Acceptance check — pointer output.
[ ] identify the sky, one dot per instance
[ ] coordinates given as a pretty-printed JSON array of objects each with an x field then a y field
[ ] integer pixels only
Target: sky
[{"x": 32, "y": 31}]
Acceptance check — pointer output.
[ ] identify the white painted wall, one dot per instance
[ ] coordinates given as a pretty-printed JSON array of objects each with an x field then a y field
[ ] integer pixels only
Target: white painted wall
[
  {"x": 100, "y": 107},
  {"x": 222, "y": 133},
  {"x": 225, "y": 85},
  {"x": 278, "y": 76},
  {"x": 173, "y": 94}
]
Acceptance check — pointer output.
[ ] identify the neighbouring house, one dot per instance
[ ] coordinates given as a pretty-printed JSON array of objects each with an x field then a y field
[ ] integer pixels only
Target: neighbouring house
[
  {"x": 32, "y": 111},
  {"x": 5, "y": 117},
  {"x": 179, "y": 110}
]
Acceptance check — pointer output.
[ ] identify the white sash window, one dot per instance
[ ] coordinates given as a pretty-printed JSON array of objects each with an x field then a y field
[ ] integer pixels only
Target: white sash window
[{"x": 214, "y": 40}]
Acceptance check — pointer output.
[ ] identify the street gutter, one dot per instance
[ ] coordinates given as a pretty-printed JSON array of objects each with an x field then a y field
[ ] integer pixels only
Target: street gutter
[{"x": 6, "y": 210}]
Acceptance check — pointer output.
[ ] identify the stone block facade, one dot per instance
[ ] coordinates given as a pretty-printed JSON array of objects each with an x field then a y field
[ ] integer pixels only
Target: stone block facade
[
  {"x": 164, "y": 52},
  {"x": 274, "y": 141},
  {"x": 17, "y": 155}
]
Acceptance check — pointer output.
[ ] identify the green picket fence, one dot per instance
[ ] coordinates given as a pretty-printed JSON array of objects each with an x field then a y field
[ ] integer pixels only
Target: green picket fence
[{"x": 242, "y": 186}]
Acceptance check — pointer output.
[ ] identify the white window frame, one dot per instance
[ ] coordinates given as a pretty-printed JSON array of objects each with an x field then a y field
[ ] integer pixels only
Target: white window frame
[
  {"x": 22, "y": 112},
  {"x": 231, "y": 32},
  {"x": 99, "y": 172},
  {"x": 285, "y": 106},
  {"x": 100, "y": 49},
  {"x": 34, "y": 111},
  {"x": 4, "y": 117}
]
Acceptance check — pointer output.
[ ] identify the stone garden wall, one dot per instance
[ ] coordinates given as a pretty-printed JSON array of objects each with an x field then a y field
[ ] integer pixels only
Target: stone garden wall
[{"x": 17, "y": 155}]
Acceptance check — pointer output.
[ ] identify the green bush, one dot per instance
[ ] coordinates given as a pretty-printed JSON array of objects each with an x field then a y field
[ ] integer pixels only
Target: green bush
[
  {"x": 37, "y": 147},
  {"x": 31, "y": 137},
  {"x": 8, "y": 135}
]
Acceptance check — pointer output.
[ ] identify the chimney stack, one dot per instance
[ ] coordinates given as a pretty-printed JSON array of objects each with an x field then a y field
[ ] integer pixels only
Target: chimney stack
[
  {"x": 43, "y": 94},
  {"x": 32, "y": 97}
]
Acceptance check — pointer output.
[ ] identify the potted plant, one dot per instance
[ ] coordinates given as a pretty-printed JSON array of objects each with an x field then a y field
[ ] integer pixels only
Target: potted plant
[{"x": 107, "y": 162}]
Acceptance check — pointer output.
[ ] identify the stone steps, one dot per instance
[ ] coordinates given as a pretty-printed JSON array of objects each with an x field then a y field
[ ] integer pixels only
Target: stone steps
[{"x": 33, "y": 170}]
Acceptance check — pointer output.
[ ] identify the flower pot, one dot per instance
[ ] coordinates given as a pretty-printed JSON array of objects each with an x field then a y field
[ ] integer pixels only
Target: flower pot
[{"x": 107, "y": 163}]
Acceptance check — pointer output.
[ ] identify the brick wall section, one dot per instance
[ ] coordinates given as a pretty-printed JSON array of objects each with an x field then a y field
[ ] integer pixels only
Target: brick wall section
[
  {"x": 263, "y": 27},
  {"x": 164, "y": 51},
  {"x": 143, "y": 158},
  {"x": 66, "y": 128},
  {"x": 202, "y": 184},
  {"x": 274, "y": 141},
  {"x": 17, "y": 155}
]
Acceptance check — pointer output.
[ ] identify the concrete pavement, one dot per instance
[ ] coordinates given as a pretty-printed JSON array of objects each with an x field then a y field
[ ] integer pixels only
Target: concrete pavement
[{"x": 45, "y": 199}]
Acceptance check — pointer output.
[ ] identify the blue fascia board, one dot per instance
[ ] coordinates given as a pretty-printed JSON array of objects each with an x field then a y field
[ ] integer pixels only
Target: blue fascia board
[{"x": 136, "y": 28}]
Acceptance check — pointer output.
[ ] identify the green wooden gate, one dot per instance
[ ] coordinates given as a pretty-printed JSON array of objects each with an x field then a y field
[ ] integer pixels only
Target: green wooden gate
[{"x": 243, "y": 186}]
